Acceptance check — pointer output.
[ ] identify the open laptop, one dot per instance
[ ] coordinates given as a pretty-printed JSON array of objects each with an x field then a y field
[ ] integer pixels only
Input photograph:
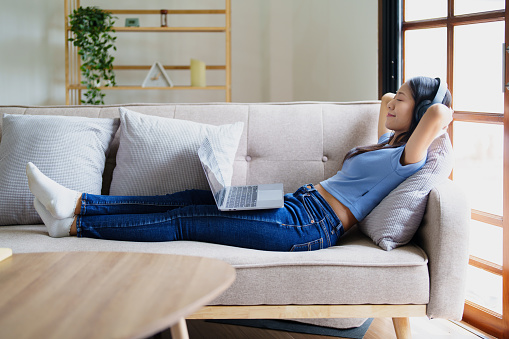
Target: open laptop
[{"x": 233, "y": 198}]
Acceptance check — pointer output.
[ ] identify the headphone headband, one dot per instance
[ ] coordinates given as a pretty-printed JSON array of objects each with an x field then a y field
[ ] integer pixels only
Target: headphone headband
[{"x": 441, "y": 92}]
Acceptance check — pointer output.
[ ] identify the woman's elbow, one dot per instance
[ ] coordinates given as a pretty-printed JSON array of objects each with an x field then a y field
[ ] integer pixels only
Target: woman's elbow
[{"x": 440, "y": 115}]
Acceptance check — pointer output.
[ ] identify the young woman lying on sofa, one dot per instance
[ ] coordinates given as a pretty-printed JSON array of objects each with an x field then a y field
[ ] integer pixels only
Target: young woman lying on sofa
[{"x": 313, "y": 217}]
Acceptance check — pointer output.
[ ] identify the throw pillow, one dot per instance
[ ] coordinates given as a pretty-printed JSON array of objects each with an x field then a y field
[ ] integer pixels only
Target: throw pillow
[
  {"x": 395, "y": 220},
  {"x": 69, "y": 150},
  {"x": 158, "y": 155}
]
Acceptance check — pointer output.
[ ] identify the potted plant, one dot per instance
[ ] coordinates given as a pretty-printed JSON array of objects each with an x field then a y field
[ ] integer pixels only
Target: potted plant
[{"x": 93, "y": 28}]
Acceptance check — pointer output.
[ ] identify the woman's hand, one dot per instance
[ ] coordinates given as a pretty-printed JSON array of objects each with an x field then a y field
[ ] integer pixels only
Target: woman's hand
[
  {"x": 388, "y": 97},
  {"x": 383, "y": 113}
]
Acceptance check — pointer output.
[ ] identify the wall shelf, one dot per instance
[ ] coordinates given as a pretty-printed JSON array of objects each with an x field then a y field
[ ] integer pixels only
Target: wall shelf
[
  {"x": 134, "y": 87},
  {"x": 172, "y": 29},
  {"x": 170, "y": 11},
  {"x": 171, "y": 67},
  {"x": 73, "y": 85}
]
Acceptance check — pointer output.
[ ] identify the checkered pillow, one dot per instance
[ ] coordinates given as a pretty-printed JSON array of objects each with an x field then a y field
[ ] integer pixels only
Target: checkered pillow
[
  {"x": 158, "y": 155},
  {"x": 69, "y": 150},
  {"x": 395, "y": 220}
]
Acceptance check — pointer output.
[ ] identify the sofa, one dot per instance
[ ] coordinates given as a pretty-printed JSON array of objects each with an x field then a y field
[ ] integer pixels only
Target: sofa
[{"x": 297, "y": 143}]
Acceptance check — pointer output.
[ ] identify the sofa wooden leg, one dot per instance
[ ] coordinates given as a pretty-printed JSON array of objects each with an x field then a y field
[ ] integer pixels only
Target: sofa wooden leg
[{"x": 402, "y": 328}]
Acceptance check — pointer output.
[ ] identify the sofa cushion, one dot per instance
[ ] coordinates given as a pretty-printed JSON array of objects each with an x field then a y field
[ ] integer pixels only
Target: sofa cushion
[
  {"x": 343, "y": 274},
  {"x": 69, "y": 150},
  {"x": 159, "y": 155},
  {"x": 396, "y": 219}
]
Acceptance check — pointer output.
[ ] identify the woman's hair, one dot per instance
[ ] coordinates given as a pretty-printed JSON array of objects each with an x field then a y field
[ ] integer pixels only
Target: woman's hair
[{"x": 422, "y": 88}]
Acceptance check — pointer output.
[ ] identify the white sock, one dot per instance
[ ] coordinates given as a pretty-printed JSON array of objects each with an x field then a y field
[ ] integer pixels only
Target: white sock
[
  {"x": 57, "y": 228},
  {"x": 57, "y": 199}
]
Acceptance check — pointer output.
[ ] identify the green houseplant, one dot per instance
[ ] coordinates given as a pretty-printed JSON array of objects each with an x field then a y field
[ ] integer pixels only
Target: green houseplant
[{"x": 93, "y": 28}]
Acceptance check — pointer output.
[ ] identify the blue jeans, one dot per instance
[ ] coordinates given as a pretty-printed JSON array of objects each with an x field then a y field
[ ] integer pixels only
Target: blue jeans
[{"x": 305, "y": 223}]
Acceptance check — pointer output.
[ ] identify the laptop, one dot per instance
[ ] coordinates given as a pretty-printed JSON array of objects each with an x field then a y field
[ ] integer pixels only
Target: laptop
[{"x": 235, "y": 198}]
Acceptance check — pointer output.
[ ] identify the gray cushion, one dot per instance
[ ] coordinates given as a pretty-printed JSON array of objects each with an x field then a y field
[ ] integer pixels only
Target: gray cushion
[
  {"x": 396, "y": 219},
  {"x": 69, "y": 150},
  {"x": 159, "y": 155}
]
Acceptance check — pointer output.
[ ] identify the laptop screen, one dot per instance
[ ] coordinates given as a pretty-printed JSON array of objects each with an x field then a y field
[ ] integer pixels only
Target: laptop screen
[{"x": 211, "y": 169}]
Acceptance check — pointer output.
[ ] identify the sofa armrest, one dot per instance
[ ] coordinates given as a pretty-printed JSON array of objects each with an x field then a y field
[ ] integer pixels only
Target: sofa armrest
[{"x": 444, "y": 236}]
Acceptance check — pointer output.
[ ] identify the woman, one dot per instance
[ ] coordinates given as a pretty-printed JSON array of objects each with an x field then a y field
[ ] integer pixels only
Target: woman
[{"x": 313, "y": 217}]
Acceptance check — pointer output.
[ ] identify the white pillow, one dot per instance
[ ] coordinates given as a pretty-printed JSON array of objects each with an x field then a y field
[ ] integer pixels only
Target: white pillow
[
  {"x": 158, "y": 155},
  {"x": 395, "y": 220},
  {"x": 69, "y": 150}
]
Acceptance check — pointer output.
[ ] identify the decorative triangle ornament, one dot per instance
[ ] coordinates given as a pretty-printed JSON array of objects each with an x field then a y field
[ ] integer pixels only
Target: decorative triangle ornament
[{"x": 157, "y": 77}]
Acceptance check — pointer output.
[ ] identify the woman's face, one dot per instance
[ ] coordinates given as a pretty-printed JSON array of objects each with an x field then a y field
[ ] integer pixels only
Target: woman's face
[{"x": 401, "y": 108}]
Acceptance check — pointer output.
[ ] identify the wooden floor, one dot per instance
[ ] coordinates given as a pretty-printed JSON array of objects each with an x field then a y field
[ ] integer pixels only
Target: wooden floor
[{"x": 381, "y": 328}]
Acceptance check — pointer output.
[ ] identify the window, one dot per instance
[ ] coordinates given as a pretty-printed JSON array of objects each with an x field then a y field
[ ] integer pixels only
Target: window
[{"x": 463, "y": 41}]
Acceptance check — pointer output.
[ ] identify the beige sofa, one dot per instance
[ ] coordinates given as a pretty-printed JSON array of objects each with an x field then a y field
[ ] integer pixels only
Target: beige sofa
[{"x": 298, "y": 143}]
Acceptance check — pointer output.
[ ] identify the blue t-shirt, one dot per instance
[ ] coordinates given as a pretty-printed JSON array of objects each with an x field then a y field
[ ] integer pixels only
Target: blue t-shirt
[{"x": 367, "y": 178}]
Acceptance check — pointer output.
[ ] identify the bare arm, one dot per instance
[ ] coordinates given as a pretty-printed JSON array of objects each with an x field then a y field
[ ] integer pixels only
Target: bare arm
[
  {"x": 383, "y": 114},
  {"x": 436, "y": 118}
]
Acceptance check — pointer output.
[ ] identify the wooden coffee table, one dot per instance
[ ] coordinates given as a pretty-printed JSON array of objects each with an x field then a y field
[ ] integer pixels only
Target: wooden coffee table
[{"x": 105, "y": 294}]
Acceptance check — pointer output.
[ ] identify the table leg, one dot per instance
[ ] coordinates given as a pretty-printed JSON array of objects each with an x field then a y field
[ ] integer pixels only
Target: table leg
[{"x": 179, "y": 330}]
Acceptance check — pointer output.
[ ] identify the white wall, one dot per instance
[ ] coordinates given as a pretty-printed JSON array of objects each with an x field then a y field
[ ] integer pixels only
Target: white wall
[
  {"x": 32, "y": 52},
  {"x": 282, "y": 50}
]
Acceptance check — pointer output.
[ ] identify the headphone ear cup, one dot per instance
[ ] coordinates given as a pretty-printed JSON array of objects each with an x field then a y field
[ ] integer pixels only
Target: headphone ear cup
[{"x": 421, "y": 109}]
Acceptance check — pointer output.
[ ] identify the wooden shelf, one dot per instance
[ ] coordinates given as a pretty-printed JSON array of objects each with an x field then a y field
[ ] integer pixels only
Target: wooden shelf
[
  {"x": 169, "y": 29},
  {"x": 170, "y": 11},
  {"x": 170, "y": 67},
  {"x": 73, "y": 85},
  {"x": 134, "y": 87},
  {"x": 172, "y": 29}
]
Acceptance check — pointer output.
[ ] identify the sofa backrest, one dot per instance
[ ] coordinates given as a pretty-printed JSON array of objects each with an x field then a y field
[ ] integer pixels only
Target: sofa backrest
[{"x": 293, "y": 143}]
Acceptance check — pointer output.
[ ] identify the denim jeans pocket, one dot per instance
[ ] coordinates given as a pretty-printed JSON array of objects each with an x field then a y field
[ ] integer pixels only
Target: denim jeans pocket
[
  {"x": 308, "y": 246},
  {"x": 308, "y": 204}
]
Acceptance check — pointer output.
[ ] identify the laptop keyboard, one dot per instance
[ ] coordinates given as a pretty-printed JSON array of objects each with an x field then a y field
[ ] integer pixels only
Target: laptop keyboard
[{"x": 242, "y": 196}]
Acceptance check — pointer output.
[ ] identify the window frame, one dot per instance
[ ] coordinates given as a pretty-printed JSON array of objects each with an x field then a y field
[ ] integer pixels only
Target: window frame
[{"x": 476, "y": 315}]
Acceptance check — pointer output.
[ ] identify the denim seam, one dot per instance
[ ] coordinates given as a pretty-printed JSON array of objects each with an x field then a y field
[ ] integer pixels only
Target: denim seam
[
  {"x": 324, "y": 229},
  {"x": 78, "y": 226},
  {"x": 326, "y": 217},
  {"x": 195, "y": 216},
  {"x": 308, "y": 244},
  {"x": 307, "y": 225},
  {"x": 311, "y": 216},
  {"x": 136, "y": 203},
  {"x": 83, "y": 204}
]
